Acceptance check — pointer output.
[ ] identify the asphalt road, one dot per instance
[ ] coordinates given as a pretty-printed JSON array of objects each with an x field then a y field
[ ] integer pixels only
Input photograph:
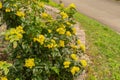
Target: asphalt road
[{"x": 104, "y": 11}]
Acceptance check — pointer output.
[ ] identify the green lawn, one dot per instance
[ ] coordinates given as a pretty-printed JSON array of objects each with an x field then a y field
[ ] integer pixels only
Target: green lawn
[{"x": 103, "y": 48}]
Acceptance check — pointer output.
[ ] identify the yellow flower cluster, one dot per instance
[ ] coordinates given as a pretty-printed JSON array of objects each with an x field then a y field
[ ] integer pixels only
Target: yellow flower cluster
[
  {"x": 61, "y": 30},
  {"x": 72, "y": 5},
  {"x": 74, "y": 30},
  {"x": 82, "y": 47},
  {"x": 74, "y": 56},
  {"x": 14, "y": 34},
  {"x": 7, "y": 10},
  {"x": 0, "y": 5},
  {"x": 44, "y": 15},
  {"x": 61, "y": 43},
  {"x": 83, "y": 62},
  {"x": 68, "y": 33},
  {"x": 66, "y": 64},
  {"x": 20, "y": 13},
  {"x": 29, "y": 63},
  {"x": 78, "y": 42},
  {"x": 52, "y": 44},
  {"x": 40, "y": 39},
  {"x": 74, "y": 70},
  {"x": 64, "y": 15},
  {"x": 4, "y": 78}
]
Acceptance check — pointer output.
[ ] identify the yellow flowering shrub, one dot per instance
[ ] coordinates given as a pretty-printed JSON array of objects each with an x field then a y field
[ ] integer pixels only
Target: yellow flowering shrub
[{"x": 41, "y": 46}]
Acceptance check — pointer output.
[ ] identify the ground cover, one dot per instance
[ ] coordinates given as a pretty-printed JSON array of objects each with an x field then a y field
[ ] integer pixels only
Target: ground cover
[{"x": 103, "y": 48}]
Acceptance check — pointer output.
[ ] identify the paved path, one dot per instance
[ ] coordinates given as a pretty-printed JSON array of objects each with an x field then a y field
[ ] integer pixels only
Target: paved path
[{"x": 105, "y": 11}]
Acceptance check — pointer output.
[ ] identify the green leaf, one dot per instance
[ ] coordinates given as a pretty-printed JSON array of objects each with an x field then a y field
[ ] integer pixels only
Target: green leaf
[
  {"x": 17, "y": 79},
  {"x": 15, "y": 44},
  {"x": 55, "y": 69},
  {"x": 6, "y": 71}
]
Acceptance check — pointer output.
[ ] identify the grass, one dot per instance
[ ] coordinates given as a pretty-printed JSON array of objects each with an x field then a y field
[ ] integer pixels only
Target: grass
[{"x": 103, "y": 48}]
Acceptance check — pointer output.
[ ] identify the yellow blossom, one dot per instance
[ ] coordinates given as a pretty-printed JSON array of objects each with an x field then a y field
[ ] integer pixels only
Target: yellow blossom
[
  {"x": 74, "y": 46},
  {"x": 78, "y": 42},
  {"x": 20, "y": 29},
  {"x": 19, "y": 36},
  {"x": 29, "y": 63},
  {"x": 74, "y": 70},
  {"x": 68, "y": 23},
  {"x": 52, "y": 44},
  {"x": 14, "y": 5},
  {"x": 61, "y": 30},
  {"x": 0, "y": 5},
  {"x": 35, "y": 39},
  {"x": 64, "y": 15},
  {"x": 83, "y": 62},
  {"x": 39, "y": 39},
  {"x": 72, "y": 5},
  {"x": 14, "y": 34},
  {"x": 4, "y": 78},
  {"x": 61, "y": 43},
  {"x": 66, "y": 64},
  {"x": 74, "y": 56},
  {"x": 68, "y": 33},
  {"x": 82, "y": 47},
  {"x": 13, "y": 31},
  {"x": 74, "y": 30},
  {"x": 53, "y": 41},
  {"x": 7, "y": 10},
  {"x": 20, "y": 14},
  {"x": 62, "y": 26},
  {"x": 49, "y": 31},
  {"x": 44, "y": 15},
  {"x": 7, "y": 38},
  {"x": 41, "y": 4},
  {"x": 18, "y": 56},
  {"x": 62, "y": 5}
]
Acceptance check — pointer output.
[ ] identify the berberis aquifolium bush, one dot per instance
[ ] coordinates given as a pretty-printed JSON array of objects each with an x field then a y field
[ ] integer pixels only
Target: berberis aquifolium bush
[{"x": 41, "y": 47}]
